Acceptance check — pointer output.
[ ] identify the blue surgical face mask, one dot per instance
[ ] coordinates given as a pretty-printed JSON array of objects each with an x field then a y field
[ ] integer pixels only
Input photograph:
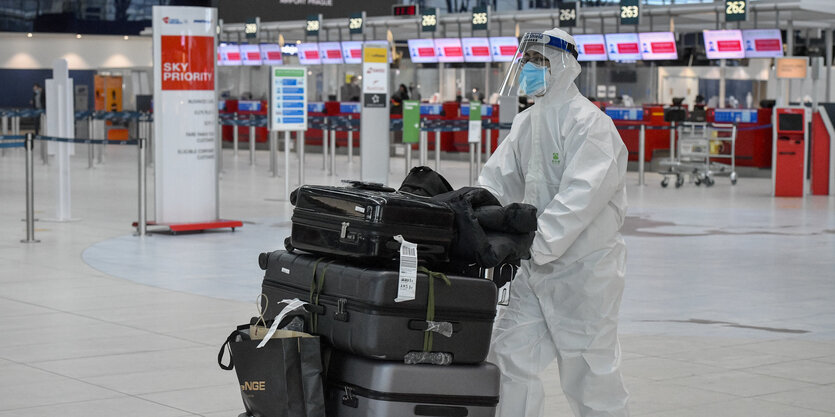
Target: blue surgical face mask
[{"x": 532, "y": 79}]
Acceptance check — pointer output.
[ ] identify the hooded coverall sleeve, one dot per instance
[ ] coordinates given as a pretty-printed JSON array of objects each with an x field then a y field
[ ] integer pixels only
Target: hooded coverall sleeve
[
  {"x": 590, "y": 180},
  {"x": 502, "y": 175}
]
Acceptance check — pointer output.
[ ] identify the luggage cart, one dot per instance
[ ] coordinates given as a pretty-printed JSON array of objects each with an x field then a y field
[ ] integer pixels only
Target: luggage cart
[{"x": 698, "y": 142}]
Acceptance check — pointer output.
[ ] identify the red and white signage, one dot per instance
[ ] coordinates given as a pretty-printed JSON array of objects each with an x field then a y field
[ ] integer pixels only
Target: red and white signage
[
  {"x": 723, "y": 44},
  {"x": 229, "y": 54},
  {"x": 352, "y": 52},
  {"x": 503, "y": 48},
  {"x": 330, "y": 52},
  {"x": 422, "y": 51},
  {"x": 271, "y": 54},
  {"x": 658, "y": 45},
  {"x": 590, "y": 47},
  {"x": 251, "y": 54},
  {"x": 185, "y": 109},
  {"x": 449, "y": 50},
  {"x": 476, "y": 49},
  {"x": 762, "y": 43},
  {"x": 309, "y": 54},
  {"x": 623, "y": 46}
]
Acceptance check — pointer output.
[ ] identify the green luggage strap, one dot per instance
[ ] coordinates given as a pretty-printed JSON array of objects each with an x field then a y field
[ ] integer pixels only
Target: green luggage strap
[
  {"x": 430, "y": 304},
  {"x": 315, "y": 290}
]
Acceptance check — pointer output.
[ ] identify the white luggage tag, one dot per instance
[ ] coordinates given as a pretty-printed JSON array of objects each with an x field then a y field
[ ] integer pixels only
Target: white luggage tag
[
  {"x": 407, "y": 280},
  {"x": 291, "y": 305}
]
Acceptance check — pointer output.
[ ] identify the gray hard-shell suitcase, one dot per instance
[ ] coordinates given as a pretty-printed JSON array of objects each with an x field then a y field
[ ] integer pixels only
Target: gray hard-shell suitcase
[
  {"x": 359, "y": 387},
  {"x": 355, "y": 309}
]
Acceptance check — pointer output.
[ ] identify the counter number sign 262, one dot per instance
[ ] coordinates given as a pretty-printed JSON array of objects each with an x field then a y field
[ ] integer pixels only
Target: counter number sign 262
[{"x": 736, "y": 10}]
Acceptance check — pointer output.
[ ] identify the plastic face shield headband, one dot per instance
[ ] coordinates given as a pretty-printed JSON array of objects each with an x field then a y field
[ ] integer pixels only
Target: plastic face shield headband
[{"x": 531, "y": 67}]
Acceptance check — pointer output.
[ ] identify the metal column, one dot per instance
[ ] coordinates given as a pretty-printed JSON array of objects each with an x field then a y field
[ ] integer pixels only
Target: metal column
[
  {"x": 30, "y": 190},
  {"x": 274, "y": 153},
  {"x": 641, "y": 151},
  {"x": 332, "y": 169},
  {"x": 286, "y": 165},
  {"x": 251, "y": 143},
  {"x": 235, "y": 135},
  {"x": 141, "y": 221},
  {"x": 300, "y": 152}
]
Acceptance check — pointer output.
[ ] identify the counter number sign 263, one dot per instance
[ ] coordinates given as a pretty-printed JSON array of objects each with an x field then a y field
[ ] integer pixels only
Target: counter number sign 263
[{"x": 629, "y": 12}]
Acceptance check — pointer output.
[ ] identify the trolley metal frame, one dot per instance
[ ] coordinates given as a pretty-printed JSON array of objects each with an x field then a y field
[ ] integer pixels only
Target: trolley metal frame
[{"x": 691, "y": 155}]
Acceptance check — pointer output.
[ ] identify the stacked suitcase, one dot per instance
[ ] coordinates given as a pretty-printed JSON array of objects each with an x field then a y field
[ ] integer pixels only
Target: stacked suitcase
[{"x": 352, "y": 282}]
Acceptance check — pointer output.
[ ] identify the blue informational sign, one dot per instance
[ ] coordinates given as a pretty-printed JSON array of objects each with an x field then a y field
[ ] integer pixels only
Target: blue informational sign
[
  {"x": 486, "y": 110},
  {"x": 431, "y": 109},
  {"x": 249, "y": 105},
  {"x": 349, "y": 108},
  {"x": 316, "y": 107},
  {"x": 288, "y": 104},
  {"x": 735, "y": 116},
  {"x": 625, "y": 113}
]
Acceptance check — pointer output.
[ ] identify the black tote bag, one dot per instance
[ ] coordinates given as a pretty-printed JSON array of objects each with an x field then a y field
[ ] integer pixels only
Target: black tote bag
[{"x": 281, "y": 379}]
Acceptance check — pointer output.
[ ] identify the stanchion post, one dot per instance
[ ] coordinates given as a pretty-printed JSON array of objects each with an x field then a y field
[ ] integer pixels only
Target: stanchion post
[
  {"x": 422, "y": 146},
  {"x": 437, "y": 151},
  {"x": 641, "y": 149},
  {"x": 3, "y": 130},
  {"x": 286, "y": 165},
  {"x": 326, "y": 133},
  {"x": 488, "y": 150},
  {"x": 300, "y": 151},
  {"x": 251, "y": 141},
  {"x": 478, "y": 159},
  {"x": 141, "y": 221},
  {"x": 332, "y": 169},
  {"x": 351, "y": 140},
  {"x": 104, "y": 136},
  {"x": 90, "y": 149},
  {"x": 407, "y": 157},
  {"x": 472, "y": 162},
  {"x": 235, "y": 134},
  {"x": 30, "y": 190},
  {"x": 274, "y": 153}
]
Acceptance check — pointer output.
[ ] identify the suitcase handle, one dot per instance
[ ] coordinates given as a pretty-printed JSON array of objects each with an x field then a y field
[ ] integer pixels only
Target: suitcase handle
[{"x": 421, "y": 325}]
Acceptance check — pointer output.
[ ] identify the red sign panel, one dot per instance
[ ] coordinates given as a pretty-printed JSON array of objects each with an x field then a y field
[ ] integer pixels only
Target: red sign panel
[
  {"x": 430, "y": 51},
  {"x": 453, "y": 51},
  {"x": 274, "y": 55},
  {"x": 663, "y": 47},
  {"x": 188, "y": 62},
  {"x": 628, "y": 48},
  {"x": 767, "y": 44},
  {"x": 729, "y": 46},
  {"x": 480, "y": 50},
  {"x": 334, "y": 53},
  {"x": 508, "y": 50},
  {"x": 311, "y": 54},
  {"x": 594, "y": 48}
]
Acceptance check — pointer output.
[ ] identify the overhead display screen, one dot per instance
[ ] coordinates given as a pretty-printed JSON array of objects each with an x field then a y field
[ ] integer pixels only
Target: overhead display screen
[
  {"x": 503, "y": 48},
  {"x": 623, "y": 46},
  {"x": 352, "y": 52},
  {"x": 330, "y": 52},
  {"x": 251, "y": 54},
  {"x": 762, "y": 43},
  {"x": 476, "y": 49},
  {"x": 658, "y": 45},
  {"x": 422, "y": 51},
  {"x": 591, "y": 48},
  {"x": 723, "y": 44},
  {"x": 271, "y": 54},
  {"x": 309, "y": 54},
  {"x": 230, "y": 54},
  {"x": 449, "y": 50}
]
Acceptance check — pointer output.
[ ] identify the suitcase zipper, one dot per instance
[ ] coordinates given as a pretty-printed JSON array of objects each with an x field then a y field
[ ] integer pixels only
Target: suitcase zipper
[
  {"x": 353, "y": 305},
  {"x": 353, "y": 391},
  {"x": 365, "y": 225}
]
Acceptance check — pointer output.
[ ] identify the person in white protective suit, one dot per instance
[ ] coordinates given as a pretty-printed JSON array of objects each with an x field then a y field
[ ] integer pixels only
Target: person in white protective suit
[{"x": 564, "y": 156}]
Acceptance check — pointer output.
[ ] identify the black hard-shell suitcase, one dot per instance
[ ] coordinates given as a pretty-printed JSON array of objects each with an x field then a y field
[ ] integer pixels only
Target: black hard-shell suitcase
[
  {"x": 359, "y": 387},
  {"x": 356, "y": 311},
  {"x": 361, "y": 223}
]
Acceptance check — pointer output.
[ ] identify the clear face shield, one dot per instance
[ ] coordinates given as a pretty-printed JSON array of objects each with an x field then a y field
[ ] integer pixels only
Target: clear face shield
[{"x": 538, "y": 55}]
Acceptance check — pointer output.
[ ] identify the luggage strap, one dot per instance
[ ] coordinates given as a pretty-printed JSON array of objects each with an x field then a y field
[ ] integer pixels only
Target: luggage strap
[
  {"x": 430, "y": 304},
  {"x": 316, "y": 286}
]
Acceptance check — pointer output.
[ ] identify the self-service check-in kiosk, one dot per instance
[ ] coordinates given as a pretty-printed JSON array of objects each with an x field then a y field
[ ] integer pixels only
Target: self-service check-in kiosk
[
  {"x": 822, "y": 149},
  {"x": 789, "y": 156}
]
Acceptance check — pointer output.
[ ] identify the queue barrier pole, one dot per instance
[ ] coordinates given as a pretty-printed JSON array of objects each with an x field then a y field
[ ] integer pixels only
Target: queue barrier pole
[
  {"x": 423, "y": 147},
  {"x": 641, "y": 156},
  {"x": 90, "y": 149},
  {"x": 274, "y": 153},
  {"x": 472, "y": 161},
  {"x": 332, "y": 168},
  {"x": 142, "y": 222},
  {"x": 351, "y": 142},
  {"x": 4, "y": 120},
  {"x": 300, "y": 153},
  {"x": 251, "y": 142},
  {"x": 235, "y": 135},
  {"x": 30, "y": 190},
  {"x": 326, "y": 132},
  {"x": 286, "y": 165}
]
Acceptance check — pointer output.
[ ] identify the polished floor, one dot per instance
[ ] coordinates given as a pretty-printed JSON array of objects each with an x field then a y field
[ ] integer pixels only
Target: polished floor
[{"x": 729, "y": 308}]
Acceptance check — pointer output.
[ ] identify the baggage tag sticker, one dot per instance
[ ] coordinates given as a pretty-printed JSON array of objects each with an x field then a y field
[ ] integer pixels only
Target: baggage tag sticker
[{"x": 407, "y": 281}]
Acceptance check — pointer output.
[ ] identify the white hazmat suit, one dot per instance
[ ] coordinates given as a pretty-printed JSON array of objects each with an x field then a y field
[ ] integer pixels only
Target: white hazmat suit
[{"x": 564, "y": 156}]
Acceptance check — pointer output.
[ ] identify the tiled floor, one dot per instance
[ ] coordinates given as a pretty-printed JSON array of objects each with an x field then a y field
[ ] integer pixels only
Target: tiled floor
[{"x": 728, "y": 309}]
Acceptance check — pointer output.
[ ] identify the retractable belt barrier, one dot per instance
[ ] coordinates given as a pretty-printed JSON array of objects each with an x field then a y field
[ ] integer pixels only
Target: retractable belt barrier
[{"x": 27, "y": 141}]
